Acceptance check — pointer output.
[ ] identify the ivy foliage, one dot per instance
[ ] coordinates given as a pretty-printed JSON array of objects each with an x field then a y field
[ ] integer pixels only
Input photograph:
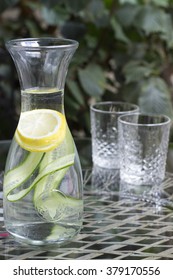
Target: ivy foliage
[{"x": 125, "y": 53}]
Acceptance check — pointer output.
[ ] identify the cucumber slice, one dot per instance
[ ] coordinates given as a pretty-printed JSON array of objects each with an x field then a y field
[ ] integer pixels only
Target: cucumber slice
[
  {"x": 59, "y": 232},
  {"x": 55, "y": 206},
  {"x": 66, "y": 148},
  {"x": 49, "y": 183},
  {"x": 52, "y": 181},
  {"x": 15, "y": 177},
  {"x": 50, "y": 168},
  {"x": 51, "y": 203}
]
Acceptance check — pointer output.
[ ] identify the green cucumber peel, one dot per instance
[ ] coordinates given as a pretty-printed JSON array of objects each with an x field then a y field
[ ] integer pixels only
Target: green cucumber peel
[
  {"x": 54, "y": 206},
  {"x": 44, "y": 185},
  {"x": 53, "y": 166},
  {"x": 49, "y": 201},
  {"x": 18, "y": 175},
  {"x": 49, "y": 183}
]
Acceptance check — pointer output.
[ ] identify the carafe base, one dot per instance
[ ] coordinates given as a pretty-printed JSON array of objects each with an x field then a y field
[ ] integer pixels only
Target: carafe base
[{"x": 43, "y": 233}]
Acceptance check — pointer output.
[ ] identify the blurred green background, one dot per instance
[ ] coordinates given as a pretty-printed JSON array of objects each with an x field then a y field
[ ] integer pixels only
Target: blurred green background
[{"x": 125, "y": 53}]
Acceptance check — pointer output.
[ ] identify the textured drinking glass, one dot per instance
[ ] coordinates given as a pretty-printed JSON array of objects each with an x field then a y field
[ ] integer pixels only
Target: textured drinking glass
[
  {"x": 104, "y": 131},
  {"x": 143, "y": 145}
]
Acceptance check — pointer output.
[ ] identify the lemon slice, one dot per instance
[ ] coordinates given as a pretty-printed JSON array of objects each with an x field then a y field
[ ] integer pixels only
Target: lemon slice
[{"x": 40, "y": 130}]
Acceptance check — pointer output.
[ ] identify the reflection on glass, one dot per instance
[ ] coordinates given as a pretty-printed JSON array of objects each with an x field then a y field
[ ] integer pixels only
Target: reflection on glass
[{"x": 104, "y": 179}]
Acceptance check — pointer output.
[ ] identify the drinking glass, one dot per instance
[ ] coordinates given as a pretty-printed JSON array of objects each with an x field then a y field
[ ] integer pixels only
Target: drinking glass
[
  {"x": 143, "y": 145},
  {"x": 104, "y": 131}
]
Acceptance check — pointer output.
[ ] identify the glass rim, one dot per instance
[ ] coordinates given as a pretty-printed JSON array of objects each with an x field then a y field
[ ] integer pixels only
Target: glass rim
[
  {"x": 94, "y": 109},
  {"x": 33, "y": 43},
  {"x": 167, "y": 120}
]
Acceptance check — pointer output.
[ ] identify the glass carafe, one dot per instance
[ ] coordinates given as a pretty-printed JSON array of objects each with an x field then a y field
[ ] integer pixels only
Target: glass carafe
[{"x": 43, "y": 189}]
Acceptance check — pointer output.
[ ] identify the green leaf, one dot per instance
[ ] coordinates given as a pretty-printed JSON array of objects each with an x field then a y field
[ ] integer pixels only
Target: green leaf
[
  {"x": 33, "y": 28},
  {"x": 108, "y": 3},
  {"x": 128, "y": 1},
  {"x": 134, "y": 71},
  {"x": 161, "y": 3},
  {"x": 130, "y": 92},
  {"x": 150, "y": 19},
  {"x": 76, "y": 5},
  {"x": 92, "y": 80},
  {"x": 118, "y": 31},
  {"x": 75, "y": 91},
  {"x": 126, "y": 14},
  {"x": 96, "y": 13},
  {"x": 49, "y": 15},
  {"x": 167, "y": 31},
  {"x": 52, "y": 16},
  {"x": 155, "y": 97}
]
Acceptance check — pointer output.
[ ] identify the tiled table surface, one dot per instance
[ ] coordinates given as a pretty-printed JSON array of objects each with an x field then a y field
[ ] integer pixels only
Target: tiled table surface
[{"x": 115, "y": 226}]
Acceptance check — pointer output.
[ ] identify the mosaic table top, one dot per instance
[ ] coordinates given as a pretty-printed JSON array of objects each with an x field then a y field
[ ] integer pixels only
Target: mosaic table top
[{"x": 118, "y": 224}]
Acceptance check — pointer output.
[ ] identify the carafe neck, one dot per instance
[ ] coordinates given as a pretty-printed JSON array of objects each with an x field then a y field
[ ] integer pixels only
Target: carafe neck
[
  {"x": 42, "y": 66},
  {"x": 42, "y": 98}
]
